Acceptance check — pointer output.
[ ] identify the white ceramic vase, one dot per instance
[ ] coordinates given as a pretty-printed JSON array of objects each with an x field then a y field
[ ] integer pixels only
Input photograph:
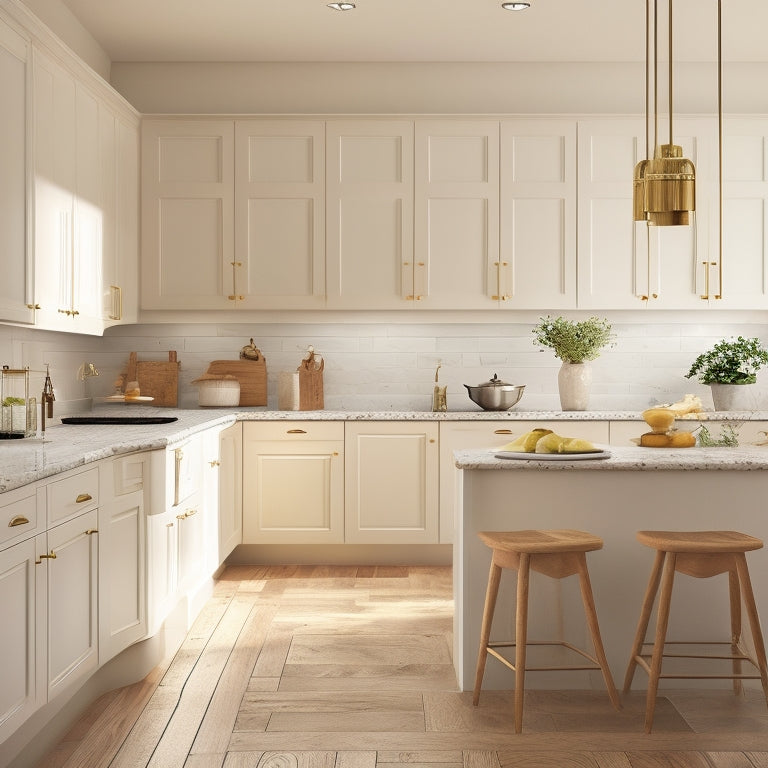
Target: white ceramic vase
[
  {"x": 574, "y": 381},
  {"x": 734, "y": 397}
]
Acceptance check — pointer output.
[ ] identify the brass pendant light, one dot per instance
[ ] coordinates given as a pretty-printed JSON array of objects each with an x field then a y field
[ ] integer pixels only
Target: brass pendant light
[{"x": 664, "y": 186}]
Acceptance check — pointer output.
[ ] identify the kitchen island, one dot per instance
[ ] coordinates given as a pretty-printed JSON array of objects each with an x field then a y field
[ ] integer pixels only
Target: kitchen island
[{"x": 632, "y": 489}]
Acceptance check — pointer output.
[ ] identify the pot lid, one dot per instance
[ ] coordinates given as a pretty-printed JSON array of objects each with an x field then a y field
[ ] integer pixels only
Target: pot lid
[{"x": 495, "y": 382}]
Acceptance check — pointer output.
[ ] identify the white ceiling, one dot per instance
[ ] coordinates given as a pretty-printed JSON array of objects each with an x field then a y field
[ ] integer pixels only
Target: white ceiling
[{"x": 412, "y": 30}]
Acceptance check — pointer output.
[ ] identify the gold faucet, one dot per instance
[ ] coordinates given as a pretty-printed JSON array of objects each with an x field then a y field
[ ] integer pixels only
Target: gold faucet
[{"x": 46, "y": 400}]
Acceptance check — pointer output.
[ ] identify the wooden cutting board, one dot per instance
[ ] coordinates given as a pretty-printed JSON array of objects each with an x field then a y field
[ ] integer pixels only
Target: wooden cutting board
[
  {"x": 252, "y": 375},
  {"x": 158, "y": 380}
]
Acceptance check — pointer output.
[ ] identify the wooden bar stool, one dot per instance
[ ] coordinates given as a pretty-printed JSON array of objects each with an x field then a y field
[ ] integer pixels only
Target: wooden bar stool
[
  {"x": 556, "y": 554},
  {"x": 701, "y": 554}
]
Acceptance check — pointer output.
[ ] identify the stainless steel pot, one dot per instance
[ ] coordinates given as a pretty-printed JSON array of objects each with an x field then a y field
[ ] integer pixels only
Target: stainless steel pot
[{"x": 495, "y": 395}]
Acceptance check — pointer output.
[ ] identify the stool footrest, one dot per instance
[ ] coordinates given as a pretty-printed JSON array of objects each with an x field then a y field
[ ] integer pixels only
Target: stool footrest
[{"x": 594, "y": 664}]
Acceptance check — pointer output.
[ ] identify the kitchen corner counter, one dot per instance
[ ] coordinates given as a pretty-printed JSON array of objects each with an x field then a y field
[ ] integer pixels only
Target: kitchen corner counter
[{"x": 628, "y": 459}]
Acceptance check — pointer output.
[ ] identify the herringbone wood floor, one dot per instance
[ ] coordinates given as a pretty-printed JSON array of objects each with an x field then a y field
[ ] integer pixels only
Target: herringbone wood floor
[{"x": 350, "y": 667}]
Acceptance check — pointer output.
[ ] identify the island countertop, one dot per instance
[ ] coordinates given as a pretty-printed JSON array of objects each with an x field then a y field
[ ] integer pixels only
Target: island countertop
[{"x": 623, "y": 458}]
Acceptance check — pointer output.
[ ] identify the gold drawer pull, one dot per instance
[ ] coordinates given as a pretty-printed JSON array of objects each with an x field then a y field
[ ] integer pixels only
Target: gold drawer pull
[
  {"x": 51, "y": 556},
  {"x": 215, "y": 463},
  {"x": 18, "y": 520},
  {"x": 81, "y": 497},
  {"x": 91, "y": 531},
  {"x": 186, "y": 514},
  {"x": 502, "y": 431},
  {"x": 169, "y": 525},
  {"x": 296, "y": 432}
]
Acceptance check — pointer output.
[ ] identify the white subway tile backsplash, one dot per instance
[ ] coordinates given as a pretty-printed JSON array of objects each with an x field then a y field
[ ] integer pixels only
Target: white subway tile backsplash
[{"x": 383, "y": 366}]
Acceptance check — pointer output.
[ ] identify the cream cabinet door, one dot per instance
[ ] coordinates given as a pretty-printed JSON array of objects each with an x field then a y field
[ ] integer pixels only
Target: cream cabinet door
[
  {"x": 537, "y": 265},
  {"x": 456, "y": 215},
  {"x": 122, "y": 554},
  {"x": 162, "y": 567},
  {"x": 458, "y": 435},
  {"x": 391, "y": 483},
  {"x": 22, "y": 642},
  {"x": 369, "y": 214},
  {"x": 280, "y": 213},
  {"x": 72, "y": 589},
  {"x": 293, "y": 483},
  {"x": 187, "y": 215},
  {"x": 745, "y": 212},
  {"x": 193, "y": 568},
  {"x": 16, "y": 255}
]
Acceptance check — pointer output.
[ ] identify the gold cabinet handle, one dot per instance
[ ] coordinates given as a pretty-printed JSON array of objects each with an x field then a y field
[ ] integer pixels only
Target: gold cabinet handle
[
  {"x": 33, "y": 306},
  {"x": 296, "y": 432},
  {"x": 502, "y": 431},
  {"x": 215, "y": 463},
  {"x": 91, "y": 531},
  {"x": 18, "y": 520},
  {"x": 705, "y": 297},
  {"x": 169, "y": 525},
  {"x": 81, "y": 497},
  {"x": 235, "y": 296},
  {"x": 413, "y": 298},
  {"x": 50, "y": 556},
  {"x": 186, "y": 514},
  {"x": 117, "y": 302}
]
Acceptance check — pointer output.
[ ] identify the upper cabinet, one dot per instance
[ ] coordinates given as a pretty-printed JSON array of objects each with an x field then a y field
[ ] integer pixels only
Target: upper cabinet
[
  {"x": 537, "y": 265},
  {"x": 187, "y": 214},
  {"x": 369, "y": 204},
  {"x": 456, "y": 215},
  {"x": 85, "y": 204},
  {"x": 16, "y": 287}
]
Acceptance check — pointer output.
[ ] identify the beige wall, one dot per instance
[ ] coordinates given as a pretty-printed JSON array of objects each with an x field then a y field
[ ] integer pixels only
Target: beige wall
[
  {"x": 63, "y": 23},
  {"x": 424, "y": 88}
]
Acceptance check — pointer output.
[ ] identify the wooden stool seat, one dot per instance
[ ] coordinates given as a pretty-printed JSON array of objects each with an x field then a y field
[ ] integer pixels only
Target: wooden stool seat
[
  {"x": 701, "y": 554},
  {"x": 554, "y": 553}
]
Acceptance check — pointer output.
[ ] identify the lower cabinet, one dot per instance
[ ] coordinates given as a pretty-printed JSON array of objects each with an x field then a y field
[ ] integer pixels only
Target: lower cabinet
[
  {"x": 162, "y": 568},
  {"x": 72, "y": 601},
  {"x": 293, "y": 482},
  {"x": 391, "y": 483},
  {"x": 122, "y": 554},
  {"x": 22, "y": 641}
]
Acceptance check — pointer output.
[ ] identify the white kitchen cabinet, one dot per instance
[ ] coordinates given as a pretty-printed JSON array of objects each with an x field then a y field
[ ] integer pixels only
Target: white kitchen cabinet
[
  {"x": 625, "y": 264},
  {"x": 22, "y": 641},
  {"x": 537, "y": 264},
  {"x": 122, "y": 554},
  {"x": 187, "y": 215},
  {"x": 456, "y": 215},
  {"x": 72, "y": 601},
  {"x": 162, "y": 567},
  {"x": 458, "y": 435},
  {"x": 293, "y": 482},
  {"x": 745, "y": 209},
  {"x": 16, "y": 287},
  {"x": 369, "y": 214},
  {"x": 279, "y": 214},
  {"x": 223, "y": 488},
  {"x": 391, "y": 483}
]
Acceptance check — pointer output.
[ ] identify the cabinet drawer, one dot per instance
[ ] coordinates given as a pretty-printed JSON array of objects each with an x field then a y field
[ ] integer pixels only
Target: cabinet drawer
[
  {"x": 18, "y": 516},
  {"x": 294, "y": 430},
  {"x": 129, "y": 473},
  {"x": 72, "y": 495}
]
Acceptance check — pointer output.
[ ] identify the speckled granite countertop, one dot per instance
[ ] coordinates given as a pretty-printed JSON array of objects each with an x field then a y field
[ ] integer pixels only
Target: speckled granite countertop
[
  {"x": 67, "y": 447},
  {"x": 628, "y": 459}
]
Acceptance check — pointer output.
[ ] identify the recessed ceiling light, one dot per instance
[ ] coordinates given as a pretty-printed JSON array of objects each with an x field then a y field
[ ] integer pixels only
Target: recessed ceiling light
[
  {"x": 341, "y": 6},
  {"x": 515, "y": 6}
]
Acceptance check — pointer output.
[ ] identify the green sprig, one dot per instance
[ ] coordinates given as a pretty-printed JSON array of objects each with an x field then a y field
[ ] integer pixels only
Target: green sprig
[
  {"x": 574, "y": 342},
  {"x": 730, "y": 361}
]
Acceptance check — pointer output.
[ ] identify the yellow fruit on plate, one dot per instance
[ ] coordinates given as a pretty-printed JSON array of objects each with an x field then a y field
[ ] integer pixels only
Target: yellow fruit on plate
[
  {"x": 526, "y": 443},
  {"x": 577, "y": 445},
  {"x": 551, "y": 443}
]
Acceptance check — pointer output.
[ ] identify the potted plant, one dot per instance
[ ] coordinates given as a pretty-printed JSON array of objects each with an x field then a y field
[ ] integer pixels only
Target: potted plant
[
  {"x": 727, "y": 367},
  {"x": 575, "y": 343}
]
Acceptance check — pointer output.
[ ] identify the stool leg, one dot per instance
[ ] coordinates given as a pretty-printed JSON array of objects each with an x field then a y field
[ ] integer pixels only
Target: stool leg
[
  {"x": 734, "y": 593},
  {"x": 594, "y": 628},
  {"x": 494, "y": 577},
  {"x": 665, "y": 599},
  {"x": 754, "y": 620},
  {"x": 521, "y": 636},
  {"x": 645, "y": 616}
]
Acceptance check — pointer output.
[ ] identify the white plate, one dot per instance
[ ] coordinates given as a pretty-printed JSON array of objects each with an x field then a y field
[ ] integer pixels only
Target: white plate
[{"x": 598, "y": 454}]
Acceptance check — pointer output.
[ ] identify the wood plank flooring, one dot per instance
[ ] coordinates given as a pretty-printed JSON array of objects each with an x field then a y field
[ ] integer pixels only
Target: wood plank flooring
[{"x": 345, "y": 667}]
